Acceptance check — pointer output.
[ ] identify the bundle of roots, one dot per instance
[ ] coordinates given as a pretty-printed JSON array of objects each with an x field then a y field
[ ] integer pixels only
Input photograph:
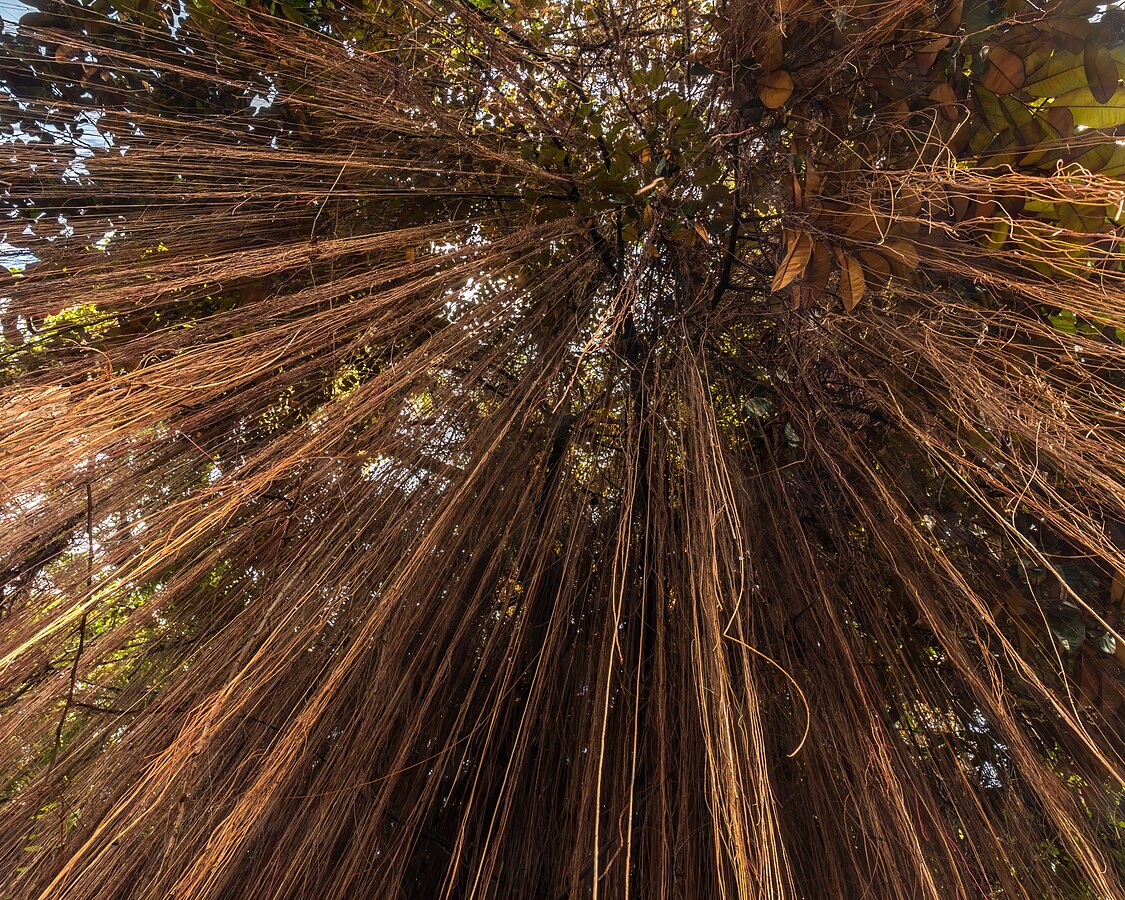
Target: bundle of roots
[{"x": 470, "y": 449}]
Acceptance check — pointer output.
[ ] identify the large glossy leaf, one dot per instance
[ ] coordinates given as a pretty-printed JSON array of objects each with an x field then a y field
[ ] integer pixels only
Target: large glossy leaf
[
  {"x": 775, "y": 88},
  {"x": 798, "y": 250},
  {"x": 1101, "y": 72},
  {"x": 1005, "y": 73},
  {"x": 1082, "y": 217},
  {"x": 1065, "y": 71},
  {"x": 1089, "y": 112},
  {"x": 1062, "y": 72},
  {"x": 852, "y": 281}
]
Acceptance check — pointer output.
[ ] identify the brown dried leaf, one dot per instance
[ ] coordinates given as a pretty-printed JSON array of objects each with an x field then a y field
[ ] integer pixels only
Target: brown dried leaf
[
  {"x": 1061, "y": 119},
  {"x": 769, "y": 53},
  {"x": 775, "y": 88},
  {"x": 819, "y": 270},
  {"x": 1117, "y": 591},
  {"x": 1005, "y": 73},
  {"x": 793, "y": 192},
  {"x": 926, "y": 55},
  {"x": 1012, "y": 602},
  {"x": 903, "y": 256},
  {"x": 951, "y": 20},
  {"x": 812, "y": 178},
  {"x": 945, "y": 99},
  {"x": 1099, "y": 685},
  {"x": 1089, "y": 681},
  {"x": 907, "y": 202},
  {"x": 877, "y": 268},
  {"x": 865, "y": 225},
  {"x": 852, "y": 281},
  {"x": 1101, "y": 72},
  {"x": 796, "y": 259},
  {"x": 960, "y": 206}
]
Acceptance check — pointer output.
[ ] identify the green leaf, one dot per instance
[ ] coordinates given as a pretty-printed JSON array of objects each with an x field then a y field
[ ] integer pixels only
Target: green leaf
[
  {"x": 1088, "y": 218},
  {"x": 1106, "y": 159},
  {"x": 715, "y": 193},
  {"x": 666, "y": 102},
  {"x": 1061, "y": 73},
  {"x": 708, "y": 174},
  {"x": 1064, "y": 322},
  {"x": 1087, "y": 111}
]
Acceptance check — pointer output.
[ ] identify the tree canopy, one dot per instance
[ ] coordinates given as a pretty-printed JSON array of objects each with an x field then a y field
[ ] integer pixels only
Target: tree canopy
[{"x": 562, "y": 448}]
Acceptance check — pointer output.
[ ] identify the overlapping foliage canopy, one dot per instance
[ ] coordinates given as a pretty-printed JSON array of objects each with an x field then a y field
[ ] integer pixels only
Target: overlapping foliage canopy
[{"x": 523, "y": 449}]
